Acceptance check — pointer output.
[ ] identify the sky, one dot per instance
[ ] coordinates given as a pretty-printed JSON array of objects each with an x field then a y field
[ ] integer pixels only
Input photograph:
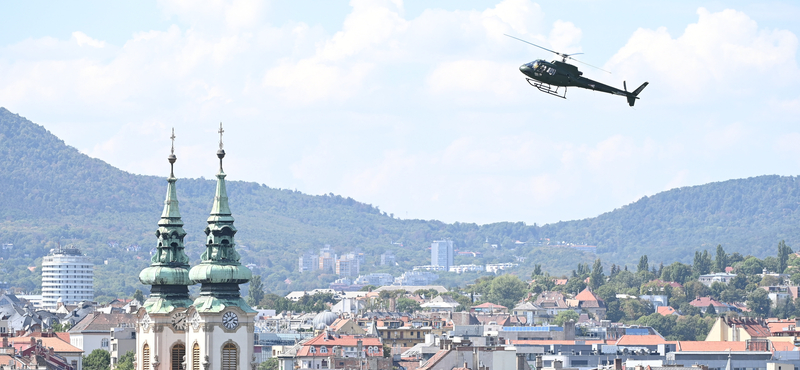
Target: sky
[{"x": 417, "y": 107}]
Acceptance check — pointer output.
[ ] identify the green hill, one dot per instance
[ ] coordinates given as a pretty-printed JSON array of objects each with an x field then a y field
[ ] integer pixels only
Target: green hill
[{"x": 51, "y": 194}]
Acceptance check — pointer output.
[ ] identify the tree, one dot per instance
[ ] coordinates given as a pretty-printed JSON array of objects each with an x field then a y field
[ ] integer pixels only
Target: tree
[
  {"x": 99, "y": 359},
  {"x": 721, "y": 260},
  {"x": 507, "y": 290},
  {"x": 643, "y": 265},
  {"x": 758, "y": 301},
  {"x": 537, "y": 270},
  {"x": 126, "y": 361},
  {"x": 565, "y": 316},
  {"x": 137, "y": 295},
  {"x": 702, "y": 263},
  {"x": 270, "y": 364},
  {"x": 596, "y": 278},
  {"x": 710, "y": 310},
  {"x": 256, "y": 292},
  {"x": 676, "y": 272},
  {"x": 783, "y": 256},
  {"x": 407, "y": 305},
  {"x": 750, "y": 266}
]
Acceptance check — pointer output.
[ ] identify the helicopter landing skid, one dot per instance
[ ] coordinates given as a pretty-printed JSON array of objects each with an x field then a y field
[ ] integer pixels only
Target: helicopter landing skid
[{"x": 547, "y": 88}]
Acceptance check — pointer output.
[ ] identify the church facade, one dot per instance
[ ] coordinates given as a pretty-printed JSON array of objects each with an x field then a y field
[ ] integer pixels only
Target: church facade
[{"x": 213, "y": 331}]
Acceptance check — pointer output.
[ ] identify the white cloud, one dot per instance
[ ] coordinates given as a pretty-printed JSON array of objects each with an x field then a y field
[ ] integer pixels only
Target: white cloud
[
  {"x": 724, "y": 52},
  {"x": 84, "y": 39}
]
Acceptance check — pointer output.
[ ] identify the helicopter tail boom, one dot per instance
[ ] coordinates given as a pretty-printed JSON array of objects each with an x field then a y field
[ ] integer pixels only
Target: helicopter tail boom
[{"x": 632, "y": 96}]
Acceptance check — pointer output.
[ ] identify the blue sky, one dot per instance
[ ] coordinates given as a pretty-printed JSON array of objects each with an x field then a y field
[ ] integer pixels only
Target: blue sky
[{"x": 417, "y": 107}]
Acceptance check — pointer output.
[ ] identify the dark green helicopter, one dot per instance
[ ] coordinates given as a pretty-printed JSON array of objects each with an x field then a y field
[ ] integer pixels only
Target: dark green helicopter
[{"x": 548, "y": 77}]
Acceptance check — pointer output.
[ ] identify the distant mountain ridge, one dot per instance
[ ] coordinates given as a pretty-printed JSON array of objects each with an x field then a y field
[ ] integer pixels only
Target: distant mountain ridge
[{"x": 52, "y": 193}]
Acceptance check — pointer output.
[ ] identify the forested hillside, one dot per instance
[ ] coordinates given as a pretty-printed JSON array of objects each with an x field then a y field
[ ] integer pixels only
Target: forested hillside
[{"x": 51, "y": 193}]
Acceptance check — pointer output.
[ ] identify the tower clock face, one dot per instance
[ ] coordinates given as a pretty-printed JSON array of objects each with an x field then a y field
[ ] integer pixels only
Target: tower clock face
[
  {"x": 195, "y": 321},
  {"x": 179, "y": 321},
  {"x": 230, "y": 320},
  {"x": 146, "y": 321}
]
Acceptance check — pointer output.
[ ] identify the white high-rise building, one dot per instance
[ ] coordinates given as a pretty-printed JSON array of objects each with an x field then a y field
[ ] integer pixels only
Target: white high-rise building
[
  {"x": 442, "y": 253},
  {"x": 68, "y": 276}
]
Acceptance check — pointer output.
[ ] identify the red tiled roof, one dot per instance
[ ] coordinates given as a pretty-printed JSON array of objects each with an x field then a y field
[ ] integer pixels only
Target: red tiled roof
[
  {"x": 702, "y": 302},
  {"x": 783, "y": 346},
  {"x": 324, "y": 340},
  {"x": 21, "y": 343},
  {"x": 587, "y": 295},
  {"x": 666, "y": 310},
  {"x": 781, "y": 325},
  {"x": 717, "y": 346},
  {"x": 644, "y": 340}
]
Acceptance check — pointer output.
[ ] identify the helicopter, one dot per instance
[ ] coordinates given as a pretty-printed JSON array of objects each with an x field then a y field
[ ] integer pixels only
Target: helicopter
[{"x": 549, "y": 77}]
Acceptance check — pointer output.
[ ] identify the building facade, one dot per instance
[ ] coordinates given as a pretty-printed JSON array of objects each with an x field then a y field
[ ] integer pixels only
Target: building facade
[
  {"x": 67, "y": 277},
  {"x": 442, "y": 254}
]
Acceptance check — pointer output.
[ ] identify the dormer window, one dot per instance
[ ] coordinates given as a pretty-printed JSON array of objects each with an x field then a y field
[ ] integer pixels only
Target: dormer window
[{"x": 323, "y": 349}]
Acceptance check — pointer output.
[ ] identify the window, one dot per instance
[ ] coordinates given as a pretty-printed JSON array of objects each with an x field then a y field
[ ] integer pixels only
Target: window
[
  {"x": 176, "y": 356},
  {"x": 196, "y": 357},
  {"x": 145, "y": 357},
  {"x": 312, "y": 349},
  {"x": 323, "y": 349},
  {"x": 230, "y": 357},
  {"x": 104, "y": 343}
]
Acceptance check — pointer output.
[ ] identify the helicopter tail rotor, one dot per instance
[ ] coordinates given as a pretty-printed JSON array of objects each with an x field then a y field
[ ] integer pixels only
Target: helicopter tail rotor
[{"x": 632, "y": 95}]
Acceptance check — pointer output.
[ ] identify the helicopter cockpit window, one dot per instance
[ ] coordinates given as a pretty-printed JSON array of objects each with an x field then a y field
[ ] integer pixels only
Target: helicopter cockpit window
[{"x": 551, "y": 71}]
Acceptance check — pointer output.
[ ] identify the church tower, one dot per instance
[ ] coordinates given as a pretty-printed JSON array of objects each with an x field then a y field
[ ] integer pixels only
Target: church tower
[
  {"x": 221, "y": 323},
  {"x": 161, "y": 329}
]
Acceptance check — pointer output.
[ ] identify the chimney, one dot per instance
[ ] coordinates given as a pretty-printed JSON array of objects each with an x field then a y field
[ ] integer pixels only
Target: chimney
[
  {"x": 617, "y": 364},
  {"x": 557, "y": 364},
  {"x": 359, "y": 348},
  {"x": 5, "y": 342},
  {"x": 540, "y": 363}
]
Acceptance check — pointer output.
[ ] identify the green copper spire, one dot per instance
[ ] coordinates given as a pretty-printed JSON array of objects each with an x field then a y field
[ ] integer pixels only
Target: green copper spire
[
  {"x": 219, "y": 271},
  {"x": 168, "y": 273}
]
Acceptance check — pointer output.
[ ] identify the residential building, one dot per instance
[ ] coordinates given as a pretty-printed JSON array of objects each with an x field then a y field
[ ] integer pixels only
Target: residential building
[
  {"x": 387, "y": 258},
  {"x": 738, "y": 329},
  {"x": 347, "y": 266},
  {"x": 416, "y": 278},
  {"x": 67, "y": 277},
  {"x": 442, "y": 253},
  {"x": 703, "y": 302},
  {"x": 488, "y": 308},
  {"x": 587, "y": 301},
  {"x": 123, "y": 340},
  {"x": 722, "y": 277},
  {"x": 376, "y": 279},
  {"x": 309, "y": 262},
  {"x": 497, "y": 267},
  {"x": 552, "y": 302},
  {"x": 331, "y": 351},
  {"x": 94, "y": 331}
]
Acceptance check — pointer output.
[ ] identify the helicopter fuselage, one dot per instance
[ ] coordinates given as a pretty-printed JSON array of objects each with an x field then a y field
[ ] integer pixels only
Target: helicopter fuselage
[{"x": 557, "y": 73}]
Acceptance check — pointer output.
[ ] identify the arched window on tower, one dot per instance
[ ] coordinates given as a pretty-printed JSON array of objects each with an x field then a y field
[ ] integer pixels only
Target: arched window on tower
[
  {"x": 230, "y": 357},
  {"x": 146, "y": 357},
  {"x": 196, "y": 357},
  {"x": 176, "y": 356}
]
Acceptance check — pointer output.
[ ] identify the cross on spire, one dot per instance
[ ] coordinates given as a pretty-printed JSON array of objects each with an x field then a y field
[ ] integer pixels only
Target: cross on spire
[
  {"x": 172, "y": 137},
  {"x": 220, "y": 135}
]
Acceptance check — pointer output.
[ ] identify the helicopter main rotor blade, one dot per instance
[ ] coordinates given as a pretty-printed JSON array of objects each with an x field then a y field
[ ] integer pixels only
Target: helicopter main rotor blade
[
  {"x": 565, "y": 56},
  {"x": 584, "y": 63},
  {"x": 527, "y": 42}
]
